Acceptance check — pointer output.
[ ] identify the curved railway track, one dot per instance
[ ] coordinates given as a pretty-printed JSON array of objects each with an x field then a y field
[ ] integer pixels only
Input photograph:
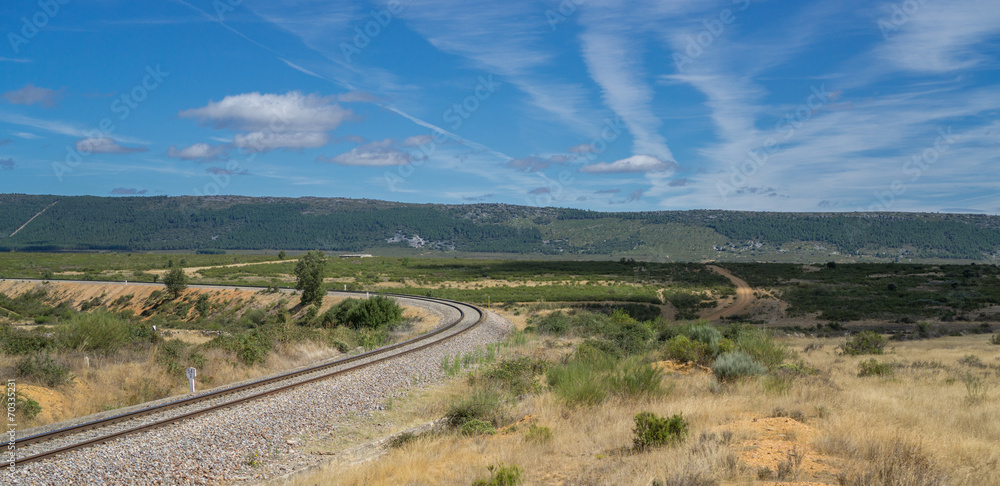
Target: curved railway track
[{"x": 49, "y": 444}]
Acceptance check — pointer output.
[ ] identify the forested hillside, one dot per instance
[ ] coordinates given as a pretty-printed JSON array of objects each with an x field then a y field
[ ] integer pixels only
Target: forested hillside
[{"x": 244, "y": 223}]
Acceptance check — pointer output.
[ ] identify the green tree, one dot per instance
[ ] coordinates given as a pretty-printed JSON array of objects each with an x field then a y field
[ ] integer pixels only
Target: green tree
[
  {"x": 309, "y": 277},
  {"x": 282, "y": 255},
  {"x": 176, "y": 281}
]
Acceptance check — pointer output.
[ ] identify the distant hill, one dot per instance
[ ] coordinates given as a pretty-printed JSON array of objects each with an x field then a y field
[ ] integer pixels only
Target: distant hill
[{"x": 335, "y": 224}]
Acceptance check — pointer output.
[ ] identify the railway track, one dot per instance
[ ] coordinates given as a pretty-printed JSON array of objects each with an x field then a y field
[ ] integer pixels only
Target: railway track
[{"x": 50, "y": 444}]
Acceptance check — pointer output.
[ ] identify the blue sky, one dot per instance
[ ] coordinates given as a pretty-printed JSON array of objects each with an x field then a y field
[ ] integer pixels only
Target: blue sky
[{"x": 757, "y": 105}]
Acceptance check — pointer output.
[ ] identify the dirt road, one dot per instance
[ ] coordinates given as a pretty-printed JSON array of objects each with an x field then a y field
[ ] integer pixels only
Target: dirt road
[
  {"x": 190, "y": 271},
  {"x": 744, "y": 296}
]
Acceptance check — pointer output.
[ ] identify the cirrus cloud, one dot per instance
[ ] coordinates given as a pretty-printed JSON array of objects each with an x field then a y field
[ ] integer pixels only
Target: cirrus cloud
[
  {"x": 633, "y": 164},
  {"x": 105, "y": 146}
]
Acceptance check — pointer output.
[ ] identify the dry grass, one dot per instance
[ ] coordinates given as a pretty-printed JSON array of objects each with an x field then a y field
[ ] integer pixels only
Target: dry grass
[{"x": 916, "y": 428}]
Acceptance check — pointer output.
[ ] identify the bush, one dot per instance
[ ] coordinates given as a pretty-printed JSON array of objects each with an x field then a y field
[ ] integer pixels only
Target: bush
[
  {"x": 340, "y": 346},
  {"x": 706, "y": 335},
  {"x": 374, "y": 313},
  {"x": 865, "y": 342},
  {"x": 681, "y": 348},
  {"x": 517, "y": 375},
  {"x": 652, "y": 431},
  {"x": 995, "y": 339},
  {"x": 477, "y": 427},
  {"x": 576, "y": 384},
  {"x": 737, "y": 364},
  {"x": 20, "y": 341},
  {"x": 761, "y": 346},
  {"x": 501, "y": 475},
  {"x": 538, "y": 434},
  {"x": 27, "y": 406},
  {"x": 43, "y": 368},
  {"x": 582, "y": 379},
  {"x": 250, "y": 347},
  {"x": 635, "y": 379},
  {"x": 103, "y": 332},
  {"x": 872, "y": 367},
  {"x": 481, "y": 405},
  {"x": 630, "y": 336}
]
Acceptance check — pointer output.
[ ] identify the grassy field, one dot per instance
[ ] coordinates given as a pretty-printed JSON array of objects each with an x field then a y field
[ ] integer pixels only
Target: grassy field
[{"x": 813, "y": 420}]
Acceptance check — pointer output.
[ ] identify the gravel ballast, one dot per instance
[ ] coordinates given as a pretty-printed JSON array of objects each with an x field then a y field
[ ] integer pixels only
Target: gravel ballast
[{"x": 254, "y": 440}]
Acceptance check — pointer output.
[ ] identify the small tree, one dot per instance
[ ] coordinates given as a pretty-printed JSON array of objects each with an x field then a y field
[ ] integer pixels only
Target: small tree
[
  {"x": 282, "y": 255},
  {"x": 176, "y": 282},
  {"x": 309, "y": 277}
]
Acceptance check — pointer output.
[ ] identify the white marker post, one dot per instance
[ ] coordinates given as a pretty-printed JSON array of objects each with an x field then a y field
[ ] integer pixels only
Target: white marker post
[{"x": 191, "y": 373}]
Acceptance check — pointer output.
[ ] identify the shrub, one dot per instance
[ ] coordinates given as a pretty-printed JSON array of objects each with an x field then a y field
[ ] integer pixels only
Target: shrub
[
  {"x": 865, "y": 342},
  {"x": 501, "y": 475},
  {"x": 630, "y": 336},
  {"x": 538, "y": 434},
  {"x": 19, "y": 341},
  {"x": 402, "y": 440},
  {"x": 705, "y": 334},
  {"x": 582, "y": 380},
  {"x": 995, "y": 339},
  {"x": 975, "y": 389},
  {"x": 27, "y": 406},
  {"x": 761, "y": 346},
  {"x": 576, "y": 383},
  {"x": 681, "y": 348},
  {"x": 737, "y": 364},
  {"x": 374, "y": 313},
  {"x": 43, "y": 368},
  {"x": 477, "y": 427},
  {"x": 515, "y": 375},
  {"x": 636, "y": 379},
  {"x": 653, "y": 431},
  {"x": 872, "y": 367},
  {"x": 481, "y": 405},
  {"x": 555, "y": 323},
  {"x": 103, "y": 332},
  {"x": 340, "y": 346}
]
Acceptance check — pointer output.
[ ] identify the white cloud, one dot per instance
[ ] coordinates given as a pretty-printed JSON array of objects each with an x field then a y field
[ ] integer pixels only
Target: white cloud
[
  {"x": 34, "y": 95},
  {"x": 633, "y": 164},
  {"x": 198, "y": 151},
  {"x": 417, "y": 140},
  {"x": 614, "y": 62},
  {"x": 940, "y": 37},
  {"x": 104, "y": 146},
  {"x": 372, "y": 154},
  {"x": 292, "y": 112},
  {"x": 267, "y": 141}
]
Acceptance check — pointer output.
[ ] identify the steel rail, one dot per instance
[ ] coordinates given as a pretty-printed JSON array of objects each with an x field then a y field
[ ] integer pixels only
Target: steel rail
[{"x": 108, "y": 421}]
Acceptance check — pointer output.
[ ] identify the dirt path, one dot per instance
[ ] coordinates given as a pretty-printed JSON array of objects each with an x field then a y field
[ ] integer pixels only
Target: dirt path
[
  {"x": 744, "y": 296},
  {"x": 190, "y": 271}
]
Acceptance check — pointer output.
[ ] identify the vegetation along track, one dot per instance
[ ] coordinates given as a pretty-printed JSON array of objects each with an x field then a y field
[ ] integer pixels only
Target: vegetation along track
[{"x": 49, "y": 444}]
